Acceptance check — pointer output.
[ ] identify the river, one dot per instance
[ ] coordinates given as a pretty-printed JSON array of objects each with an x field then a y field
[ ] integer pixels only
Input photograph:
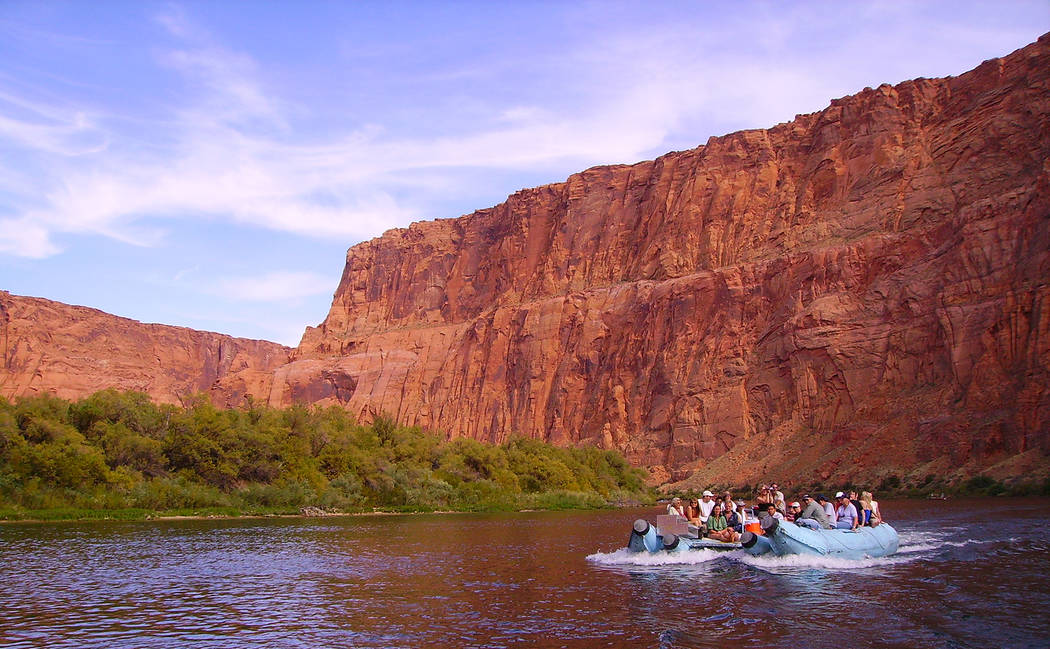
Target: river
[{"x": 969, "y": 573}]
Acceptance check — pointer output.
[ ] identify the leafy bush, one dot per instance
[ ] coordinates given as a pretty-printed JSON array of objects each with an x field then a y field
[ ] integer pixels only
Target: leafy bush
[{"x": 118, "y": 450}]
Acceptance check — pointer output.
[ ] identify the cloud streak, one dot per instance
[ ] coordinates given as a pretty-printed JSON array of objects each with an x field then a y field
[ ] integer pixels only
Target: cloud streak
[{"x": 235, "y": 149}]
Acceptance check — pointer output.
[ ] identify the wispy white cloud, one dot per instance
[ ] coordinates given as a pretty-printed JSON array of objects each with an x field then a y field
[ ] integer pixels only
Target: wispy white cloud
[{"x": 231, "y": 149}]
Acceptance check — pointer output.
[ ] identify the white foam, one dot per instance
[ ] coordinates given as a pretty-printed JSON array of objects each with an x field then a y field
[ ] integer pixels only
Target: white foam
[
  {"x": 808, "y": 561},
  {"x": 625, "y": 557}
]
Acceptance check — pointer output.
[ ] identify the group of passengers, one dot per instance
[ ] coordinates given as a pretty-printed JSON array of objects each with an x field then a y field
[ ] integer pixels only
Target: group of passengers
[
  {"x": 722, "y": 519},
  {"x": 716, "y": 517},
  {"x": 848, "y": 513}
]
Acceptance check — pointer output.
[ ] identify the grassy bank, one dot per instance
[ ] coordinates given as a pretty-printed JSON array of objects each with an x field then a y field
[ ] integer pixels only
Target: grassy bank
[{"x": 118, "y": 455}]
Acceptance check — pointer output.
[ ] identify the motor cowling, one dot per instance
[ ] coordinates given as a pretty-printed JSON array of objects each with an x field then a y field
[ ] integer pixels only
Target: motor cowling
[
  {"x": 671, "y": 542},
  {"x": 643, "y": 537}
]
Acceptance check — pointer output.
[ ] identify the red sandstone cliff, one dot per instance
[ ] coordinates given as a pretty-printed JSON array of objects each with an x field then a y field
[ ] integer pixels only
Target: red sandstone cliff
[
  {"x": 73, "y": 351},
  {"x": 859, "y": 290}
]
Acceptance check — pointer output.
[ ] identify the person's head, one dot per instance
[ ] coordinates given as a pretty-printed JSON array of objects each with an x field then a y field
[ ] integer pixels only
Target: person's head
[
  {"x": 694, "y": 502},
  {"x": 716, "y": 510},
  {"x": 707, "y": 496},
  {"x": 853, "y": 495},
  {"x": 821, "y": 499},
  {"x": 727, "y": 496},
  {"x": 865, "y": 497},
  {"x": 676, "y": 501},
  {"x": 796, "y": 507},
  {"x": 806, "y": 499},
  {"x": 774, "y": 486},
  {"x": 840, "y": 497},
  {"x": 771, "y": 509}
]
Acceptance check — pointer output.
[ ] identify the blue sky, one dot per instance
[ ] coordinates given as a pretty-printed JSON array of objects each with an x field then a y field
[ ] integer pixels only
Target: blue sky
[{"x": 207, "y": 164}]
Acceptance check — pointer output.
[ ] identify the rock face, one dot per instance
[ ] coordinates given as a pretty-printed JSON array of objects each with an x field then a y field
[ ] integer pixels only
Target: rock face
[
  {"x": 73, "y": 351},
  {"x": 862, "y": 290}
]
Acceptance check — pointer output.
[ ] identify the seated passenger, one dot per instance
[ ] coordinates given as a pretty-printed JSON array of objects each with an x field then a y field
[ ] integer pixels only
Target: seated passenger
[
  {"x": 829, "y": 509},
  {"x": 734, "y": 518},
  {"x": 692, "y": 512},
  {"x": 718, "y": 527},
  {"x": 845, "y": 514},
  {"x": 706, "y": 504},
  {"x": 853, "y": 498},
  {"x": 871, "y": 509},
  {"x": 771, "y": 510},
  {"x": 812, "y": 515},
  {"x": 727, "y": 503},
  {"x": 765, "y": 496},
  {"x": 794, "y": 512},
  {"x": 675, "y": 507}
]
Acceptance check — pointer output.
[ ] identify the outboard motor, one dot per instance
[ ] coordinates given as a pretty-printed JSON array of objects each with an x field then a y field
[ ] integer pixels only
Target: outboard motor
[
  {"x": 643, "y": 537},
  {"x": 672, "y": 543}
]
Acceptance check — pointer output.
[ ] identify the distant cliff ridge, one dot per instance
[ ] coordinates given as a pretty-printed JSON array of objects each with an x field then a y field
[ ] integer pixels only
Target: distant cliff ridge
[
  {"x": 859, "y": 292},
  {"x": 73, "y": 351}
]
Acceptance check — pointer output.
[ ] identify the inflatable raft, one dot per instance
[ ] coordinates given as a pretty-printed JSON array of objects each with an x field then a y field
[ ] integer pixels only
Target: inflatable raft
[
  {"x": 778, "y": 537},
  {"x": 784, "y": 538}
]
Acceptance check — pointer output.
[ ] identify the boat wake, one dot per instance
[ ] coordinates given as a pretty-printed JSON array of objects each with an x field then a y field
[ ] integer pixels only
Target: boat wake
[{"x": 624, "y": 557}]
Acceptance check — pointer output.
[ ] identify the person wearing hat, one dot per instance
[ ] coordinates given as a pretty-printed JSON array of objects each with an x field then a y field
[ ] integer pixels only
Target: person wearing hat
[
  {"x": 813, "y": 515},
  {"x": 794, "y": 511},
  {"x": 707, "y": 503},
  {"x": 845, "y": 513}
]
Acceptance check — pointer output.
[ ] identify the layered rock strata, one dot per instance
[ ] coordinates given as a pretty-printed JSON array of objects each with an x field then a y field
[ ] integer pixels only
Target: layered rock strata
[
  {"x": 858, "y": 290},
  {"x": 857, "y": 293},
  {"x": 73, "y": 351}
]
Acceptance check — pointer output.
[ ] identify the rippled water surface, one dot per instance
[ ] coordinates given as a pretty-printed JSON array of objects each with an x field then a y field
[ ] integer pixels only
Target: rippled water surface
[{"x": 969, "y": 574}]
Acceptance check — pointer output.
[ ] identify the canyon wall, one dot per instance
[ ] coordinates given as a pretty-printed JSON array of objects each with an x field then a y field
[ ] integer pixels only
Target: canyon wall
[
  {"x": 856, "y": 291},
  {"x": 73, "y": 351}
]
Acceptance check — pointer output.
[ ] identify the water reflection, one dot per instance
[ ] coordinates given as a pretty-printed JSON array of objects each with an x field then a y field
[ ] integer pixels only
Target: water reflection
[{"x": 963, "y": 577}]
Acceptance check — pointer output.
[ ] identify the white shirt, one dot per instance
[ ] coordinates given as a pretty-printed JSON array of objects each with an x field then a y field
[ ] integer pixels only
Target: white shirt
[{"x": 705, "y": 509}]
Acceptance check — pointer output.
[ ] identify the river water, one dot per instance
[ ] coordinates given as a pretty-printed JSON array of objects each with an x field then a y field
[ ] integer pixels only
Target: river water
[{"x": 970, "y": 573}]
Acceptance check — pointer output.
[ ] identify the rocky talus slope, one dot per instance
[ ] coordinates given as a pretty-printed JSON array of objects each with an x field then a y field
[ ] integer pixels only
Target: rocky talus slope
[{"x": 856, "y": 293}]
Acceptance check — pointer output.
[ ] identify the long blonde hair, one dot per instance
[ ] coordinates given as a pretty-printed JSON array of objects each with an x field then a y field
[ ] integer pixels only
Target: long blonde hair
[{"x": 865, "y": 499}]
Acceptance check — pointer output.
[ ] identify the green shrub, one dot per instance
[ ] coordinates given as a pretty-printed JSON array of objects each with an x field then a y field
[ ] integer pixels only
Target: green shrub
[{"x": 115, "y": 450}]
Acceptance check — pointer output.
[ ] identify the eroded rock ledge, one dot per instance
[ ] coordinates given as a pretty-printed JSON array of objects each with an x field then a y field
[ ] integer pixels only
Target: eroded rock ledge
[{"x": 858, "y": 292}]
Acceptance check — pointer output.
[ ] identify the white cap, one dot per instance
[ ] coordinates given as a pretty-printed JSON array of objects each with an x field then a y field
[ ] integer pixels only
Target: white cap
[
  {"x": 708, "y": 493},
  {"x": 795, "y": 504},
  {"x": 840, "y": 495}
]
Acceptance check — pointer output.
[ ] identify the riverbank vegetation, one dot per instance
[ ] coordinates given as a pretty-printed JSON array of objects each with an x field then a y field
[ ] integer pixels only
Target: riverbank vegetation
[{"x": 119, "y": 455}]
